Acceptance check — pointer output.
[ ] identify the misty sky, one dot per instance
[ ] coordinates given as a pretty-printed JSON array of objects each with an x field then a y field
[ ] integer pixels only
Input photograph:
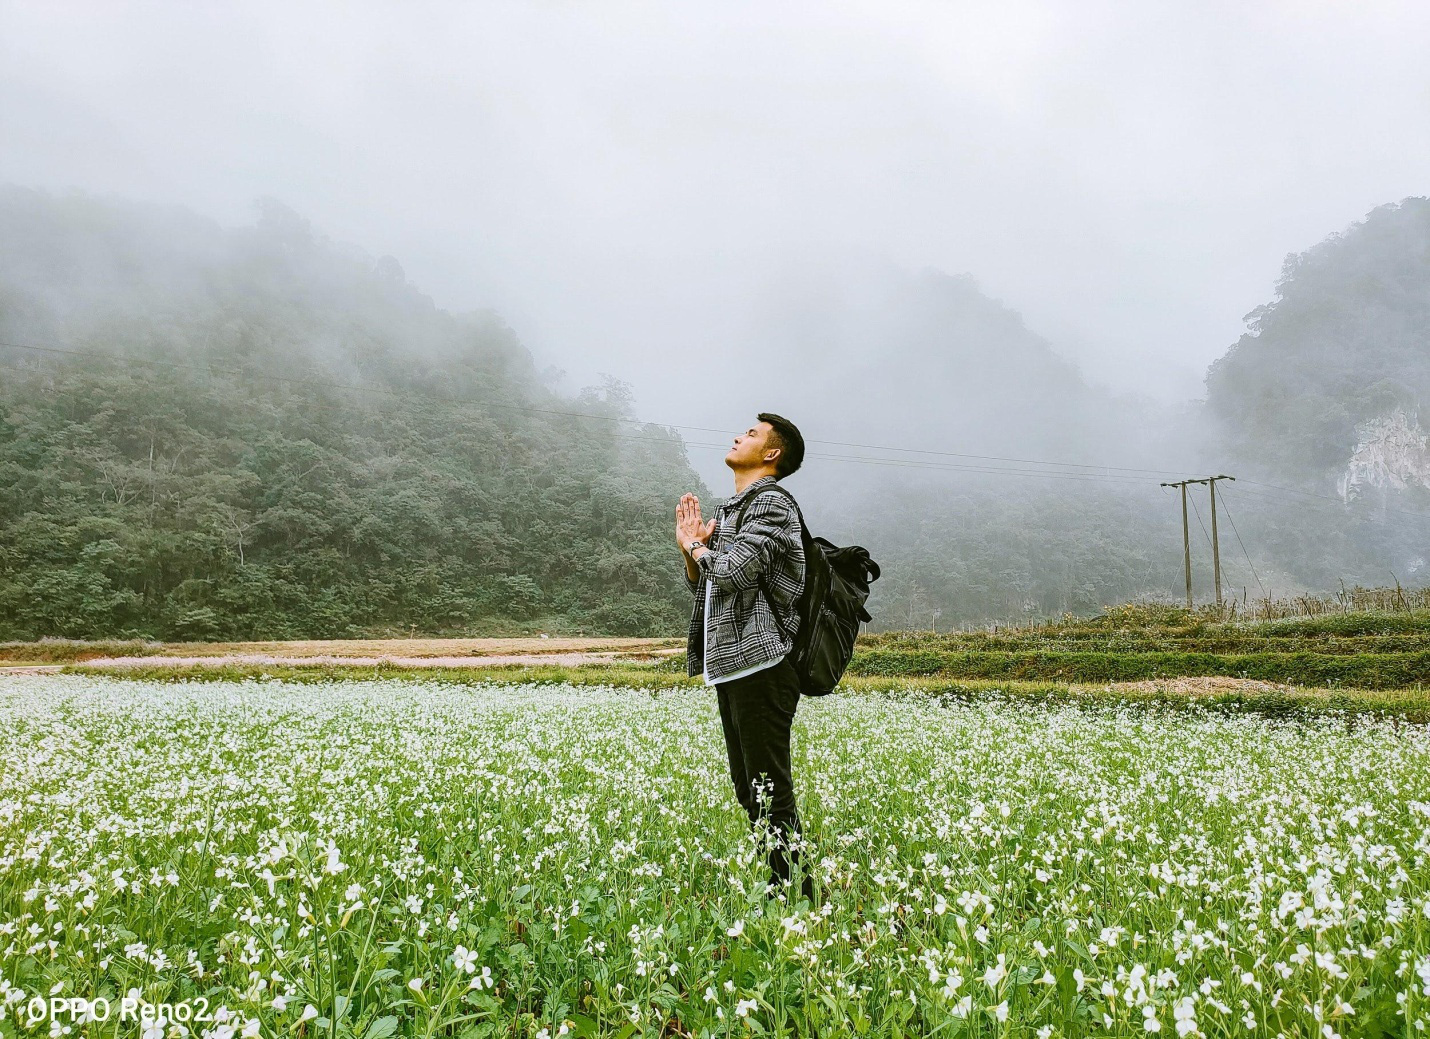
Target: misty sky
[{"x": 634, "y": 184}]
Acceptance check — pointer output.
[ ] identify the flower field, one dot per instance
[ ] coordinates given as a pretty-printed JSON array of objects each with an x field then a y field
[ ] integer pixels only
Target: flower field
[{"x": 367, "y": 859}]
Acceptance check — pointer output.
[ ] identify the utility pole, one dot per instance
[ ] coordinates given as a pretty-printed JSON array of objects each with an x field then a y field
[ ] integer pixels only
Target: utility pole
[
  {"x": 1187, "y": 537},
  {"x": 1216, "y": 542}
]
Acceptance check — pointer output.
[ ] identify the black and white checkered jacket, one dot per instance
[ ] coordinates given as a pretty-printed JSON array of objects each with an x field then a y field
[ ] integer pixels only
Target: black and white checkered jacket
[{"x": 742, "y": 628}]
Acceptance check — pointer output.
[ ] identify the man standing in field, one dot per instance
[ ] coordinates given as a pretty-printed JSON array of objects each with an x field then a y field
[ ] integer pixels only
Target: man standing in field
[{"x": 746, "y": 585}]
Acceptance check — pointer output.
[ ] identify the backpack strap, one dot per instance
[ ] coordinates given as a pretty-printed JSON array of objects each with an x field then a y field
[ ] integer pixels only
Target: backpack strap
[
  {"x": 804, "y": 538},
  {"x": 740, "y": 514}
]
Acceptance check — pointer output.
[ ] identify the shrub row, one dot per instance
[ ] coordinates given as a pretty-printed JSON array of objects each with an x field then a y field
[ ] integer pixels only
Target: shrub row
[
  {"x": 1365, "y": 671},
  {"x": 1229, "y": 642}
]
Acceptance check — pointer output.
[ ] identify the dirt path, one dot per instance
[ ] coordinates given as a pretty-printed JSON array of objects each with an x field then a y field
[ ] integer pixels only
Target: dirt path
[
  {"x": 418, "y": 652},
  {"x": 559, "y": 659},
  {"x": 1195, "y": 685}
]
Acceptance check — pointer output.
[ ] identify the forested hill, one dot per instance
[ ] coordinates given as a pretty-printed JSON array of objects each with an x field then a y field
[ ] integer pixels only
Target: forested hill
[
  {"x": 1330, "y": 383},
  {"x": 194, "y": 468}
]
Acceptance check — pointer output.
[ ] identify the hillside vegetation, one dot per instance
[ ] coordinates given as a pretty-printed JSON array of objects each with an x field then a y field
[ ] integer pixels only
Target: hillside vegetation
[
  {"x": 181, "y": 461},
  {"x": 1343, "y": 342},
  {"x": 213, "y": 434}
]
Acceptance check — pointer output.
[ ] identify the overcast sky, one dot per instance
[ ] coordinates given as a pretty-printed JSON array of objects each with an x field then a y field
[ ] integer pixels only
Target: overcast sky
[{"x": 628, "y": 183}]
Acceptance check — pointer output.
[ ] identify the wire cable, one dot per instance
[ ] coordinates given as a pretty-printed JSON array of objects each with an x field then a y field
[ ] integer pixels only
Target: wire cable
[
  {"x": 887, "y": 462},
  {"x": 1255, "y": 576},
  {"x": 1205, "y": 535},
  {"x": 548, "y": 411},
  {"x": 1327, "y": 498},
  {"x": 1198, "y": 513}
]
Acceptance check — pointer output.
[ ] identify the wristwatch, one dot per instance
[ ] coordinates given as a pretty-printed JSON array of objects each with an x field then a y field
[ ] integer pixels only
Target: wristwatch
[{"x": 694, "y": 545}]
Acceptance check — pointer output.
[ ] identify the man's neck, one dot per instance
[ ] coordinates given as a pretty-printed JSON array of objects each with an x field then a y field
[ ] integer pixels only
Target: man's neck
[{"x": 744, "y": 478}]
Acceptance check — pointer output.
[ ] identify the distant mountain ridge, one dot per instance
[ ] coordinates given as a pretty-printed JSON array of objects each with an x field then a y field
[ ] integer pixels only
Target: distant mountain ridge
[
  {"x": 1328, "y": 384},
  {"x": 181, "y": 458}
]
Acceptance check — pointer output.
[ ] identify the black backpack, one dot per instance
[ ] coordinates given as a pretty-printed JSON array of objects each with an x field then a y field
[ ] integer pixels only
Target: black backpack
[{"x": 836, "y": 586}]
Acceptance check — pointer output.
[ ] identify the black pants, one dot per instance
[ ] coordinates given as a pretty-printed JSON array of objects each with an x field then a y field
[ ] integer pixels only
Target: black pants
[{"x": 756, "y": 713}]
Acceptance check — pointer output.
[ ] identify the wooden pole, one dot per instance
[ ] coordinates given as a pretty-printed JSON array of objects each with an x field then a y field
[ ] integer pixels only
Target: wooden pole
[
  {"x": 1186, "y": 544},
  {"x": 1216, "y": 546},
  {"x": 1181, "y": 485},
  {"x": 1216, "y": 542}
]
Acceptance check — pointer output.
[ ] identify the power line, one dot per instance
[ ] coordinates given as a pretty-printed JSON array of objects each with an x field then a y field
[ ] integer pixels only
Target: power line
[
  {"x": 550, "y": 411},
  {"x": 1198, "y": 512},
  {"x": 1211, "y": 541},
  {"x": 890, "y": 462},
  {"x": 1244, "y": 552},
  {"x": 1344, "y": 506},
  {"x": 953, "y": 467},
  {"x": 1326, "y": 497},
  {"x": 998, "y": 458}
]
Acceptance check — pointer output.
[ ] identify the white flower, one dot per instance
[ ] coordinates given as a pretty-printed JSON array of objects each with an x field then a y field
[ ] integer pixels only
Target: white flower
[
  {"x": 1000, "y": 1011},
  {"x": 963, "y": 1006},
  {"x": 250, "y": 1029},
  {"x": 280, "y": 1003},
  {"x": 415, "y": 984},
  {"x": 1327, "y": 962},
  {"x": 744, "y": 1006},
  {"x": 483, "y": 980},
  {"x": 1149, "y": 1019},
  {"x": 334, "y": 863},
  {"x": 464, "y": 959},
  {"x": 996, "y": 973},
  {"x": 309, "y": 1012},
  {"x": 1185, "y": 1014},
  {"x": 735, "y": 931}
]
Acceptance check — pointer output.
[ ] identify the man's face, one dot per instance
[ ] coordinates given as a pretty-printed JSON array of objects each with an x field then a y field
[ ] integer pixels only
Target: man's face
[{"x": 750, "y": 447}]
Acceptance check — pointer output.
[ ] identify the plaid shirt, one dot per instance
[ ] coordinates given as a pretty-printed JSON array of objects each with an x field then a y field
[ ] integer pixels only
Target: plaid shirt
[{"x": 743, "y": 632}]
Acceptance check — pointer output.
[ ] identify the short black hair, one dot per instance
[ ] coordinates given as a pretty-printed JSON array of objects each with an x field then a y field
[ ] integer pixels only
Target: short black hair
[{"x": 788, "y": 439}]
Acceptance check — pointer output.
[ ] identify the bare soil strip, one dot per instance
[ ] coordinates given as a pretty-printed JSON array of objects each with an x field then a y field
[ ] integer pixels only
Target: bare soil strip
[
  {"x": 397, "y": 649},
  {"x": 567, "y": 659},
  {"x": 1194, "y": 686}
]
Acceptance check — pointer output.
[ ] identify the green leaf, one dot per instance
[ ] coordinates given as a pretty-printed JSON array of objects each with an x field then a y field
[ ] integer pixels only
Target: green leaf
[{"x": 381, "y": 1028}]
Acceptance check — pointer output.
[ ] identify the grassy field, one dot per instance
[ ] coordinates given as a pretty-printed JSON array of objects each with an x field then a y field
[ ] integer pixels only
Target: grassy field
[
  {"x": 1358, "y": 649},
  {"x": 1372, "y": 661},
  {"x": 422, "y": 857}
]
